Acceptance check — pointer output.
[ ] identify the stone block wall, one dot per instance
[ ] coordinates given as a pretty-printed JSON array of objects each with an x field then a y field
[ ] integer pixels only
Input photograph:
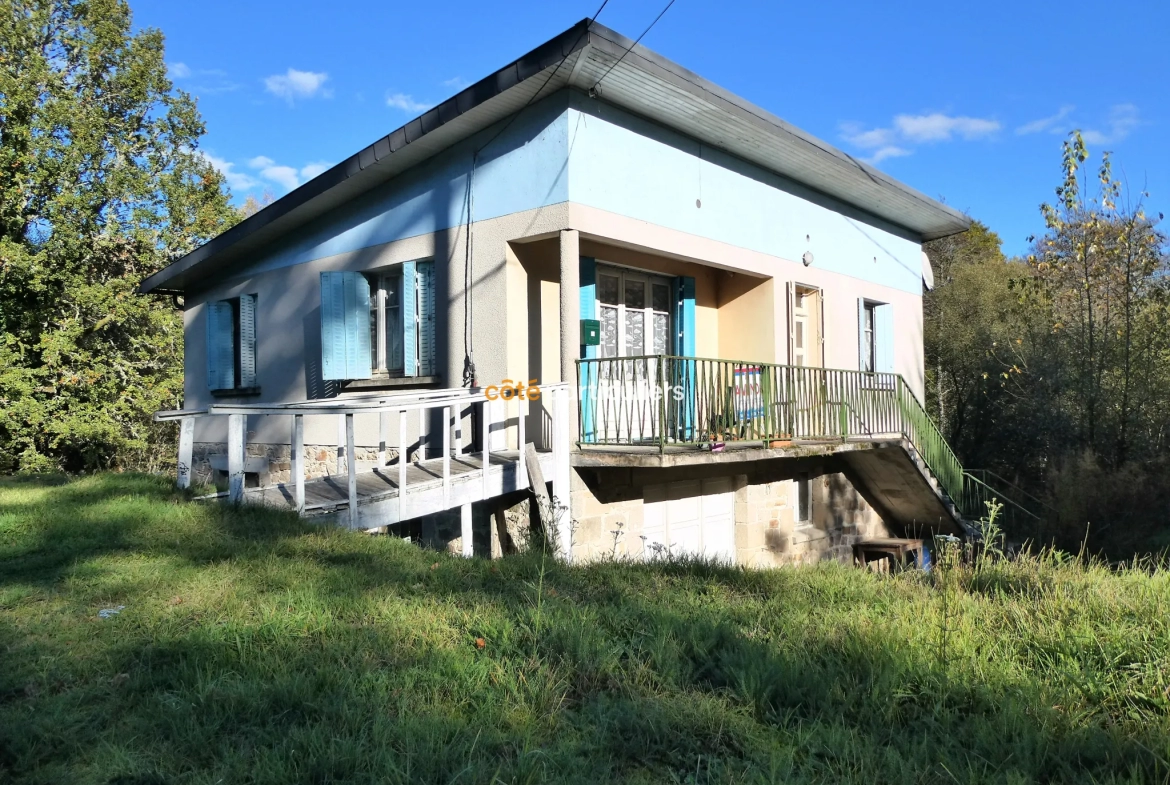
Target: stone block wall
[
  {"x": 321, "y": 460},
  {"x": 608, "y": 510}
]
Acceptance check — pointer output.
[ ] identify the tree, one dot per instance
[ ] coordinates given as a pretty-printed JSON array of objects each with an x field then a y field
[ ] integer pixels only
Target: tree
[{"x": 101, "y": 184}]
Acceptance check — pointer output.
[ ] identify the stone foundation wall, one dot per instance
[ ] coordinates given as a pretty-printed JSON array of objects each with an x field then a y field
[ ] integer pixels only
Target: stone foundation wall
[
  {"x": 608, "y": 509},
  {"x": 321, "y": 460}
]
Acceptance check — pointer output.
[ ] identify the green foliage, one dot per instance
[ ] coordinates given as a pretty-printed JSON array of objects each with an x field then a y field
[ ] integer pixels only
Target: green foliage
[
  {"x": 255, "y": 647},
  {"x": 1039, "y": 367},
  {"x": 101, "y": 184}
]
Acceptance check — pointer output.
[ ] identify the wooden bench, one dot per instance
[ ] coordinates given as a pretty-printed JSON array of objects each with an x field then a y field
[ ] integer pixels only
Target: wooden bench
[{"x": 897, "y": 551}]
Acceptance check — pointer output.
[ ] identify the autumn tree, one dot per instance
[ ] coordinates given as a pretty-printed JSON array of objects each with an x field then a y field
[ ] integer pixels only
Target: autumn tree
[{"x": 101, "y": 184}]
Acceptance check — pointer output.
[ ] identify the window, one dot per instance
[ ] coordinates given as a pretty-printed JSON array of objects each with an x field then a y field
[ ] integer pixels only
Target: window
[
  {"x": 868, "y": 358},
  {"x": 804, "y": 332},
  {"x": 875, "y": 337},
  {"x": 379, "y": 324},
  {"x": 386, "y": 356},
  {"x": 231, "y": 344},
  {"x": 635, "y": 313},
  {"x": 803, "y": 499}
]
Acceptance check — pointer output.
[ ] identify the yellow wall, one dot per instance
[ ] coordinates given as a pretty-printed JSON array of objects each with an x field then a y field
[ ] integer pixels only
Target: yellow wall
[{"x": 746, "y": 306}]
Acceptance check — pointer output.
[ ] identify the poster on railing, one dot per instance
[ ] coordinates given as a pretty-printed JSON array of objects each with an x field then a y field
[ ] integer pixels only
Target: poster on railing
[{"x": 749, "y": 399}]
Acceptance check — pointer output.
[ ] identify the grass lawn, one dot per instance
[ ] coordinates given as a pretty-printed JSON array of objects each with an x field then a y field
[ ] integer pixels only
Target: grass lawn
[{"x": 253, "y": 648}]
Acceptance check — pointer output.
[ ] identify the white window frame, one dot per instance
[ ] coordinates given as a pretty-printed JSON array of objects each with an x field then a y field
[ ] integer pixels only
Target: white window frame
[
  {"x": 650, "y": 280},
  {"x": 387, "y": 322},
  {"x": 869, "y": 337}
]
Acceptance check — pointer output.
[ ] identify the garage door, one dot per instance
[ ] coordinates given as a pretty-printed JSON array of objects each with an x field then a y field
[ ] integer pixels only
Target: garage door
[{"x": 691, "y": 518}]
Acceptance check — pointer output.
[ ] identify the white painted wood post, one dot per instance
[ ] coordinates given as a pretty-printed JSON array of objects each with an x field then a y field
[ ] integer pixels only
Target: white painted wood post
[
  {"x": 298, "y": 462},
  {"x": 351, "y": 469},
  {"x": 383, "y": 437},
  {"x": 237, "y": 449},
  {"x": 465, "y": 531},
  {"x": 186, "y": 448},
  {"x": 446, "y": 457},
  {"x": 422, "y": 434},
  {"x": 521, "y": 473},
  {"x": 487, "y": 453},
  {"x": 401, "y": 464},
  {"x": 340, "y": 441}
]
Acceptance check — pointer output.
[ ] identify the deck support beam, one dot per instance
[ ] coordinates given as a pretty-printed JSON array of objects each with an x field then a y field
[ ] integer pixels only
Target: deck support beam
[
  {"x": 298, "y": 462},
  {"x": 237, "y": 450},
  {"x": 351, "y": 470},
  {"x": 465, "y": 530},
  {"x": 186, "y": 448}
]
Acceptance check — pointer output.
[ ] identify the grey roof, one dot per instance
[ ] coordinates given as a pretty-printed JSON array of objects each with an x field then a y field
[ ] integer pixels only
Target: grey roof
[{"x": 643, "y": 83}]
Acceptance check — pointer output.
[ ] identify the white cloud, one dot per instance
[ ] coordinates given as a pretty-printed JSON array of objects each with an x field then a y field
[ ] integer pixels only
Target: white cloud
[
  {"x": 456, "y": 83},
  {"x": 1052, "y": 124},
  {"x": 906, "y": 130},
  {"x": 890, "y": 151},
  {"x": 406, "y": 103},
  {"x": 179, "y": 70},
  {"x": 296, "y": 84},
  {"x": 309, "y": 171},
  {"x": 260, "y": 162},
  {"x": 237, "y": 181},
  {"x": 939, "y": 127},
  {"x": 1123, "y": 119}
]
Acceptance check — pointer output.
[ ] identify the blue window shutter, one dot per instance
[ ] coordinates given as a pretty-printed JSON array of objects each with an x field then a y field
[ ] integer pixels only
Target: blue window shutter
[
  {"x": 357, "y": 326},
  {"x": 684, "y": 317},
  {"x": 221, "y": 346},
  {"x": 684, "y": 346},
  {"x": 883, "y": 335},
  {"x": 861, "y": 334},
  {"x": 409, "y": 319},
  {"x": 588, "y": 283},
  {"x": 426, "y": 318},
  {"x": 247, "y": 340},
  {"x": 345, "y": 326}
]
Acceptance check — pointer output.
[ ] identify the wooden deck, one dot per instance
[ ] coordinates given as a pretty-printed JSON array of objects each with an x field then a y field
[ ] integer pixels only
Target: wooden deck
[{"x": 378, "y": 502}]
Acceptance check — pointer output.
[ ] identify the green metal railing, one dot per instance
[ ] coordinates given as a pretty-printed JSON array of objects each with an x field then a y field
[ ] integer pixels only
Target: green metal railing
[{"x": 660, "y": 401}]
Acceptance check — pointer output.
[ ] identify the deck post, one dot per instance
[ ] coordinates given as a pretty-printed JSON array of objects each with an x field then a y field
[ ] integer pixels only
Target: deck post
[
  {"x": 465, "y": 531},
  {"x": 521, "y": 472},
  {"x": 237, "y": 449},
  {"x": 401, "y": 464},
  {"x": 422, "y": 434},
  {"x": 486, "y": 456},
  {"x": 340, "y": 441},
  {"x": 446, "y": 457},
  {"x": 298, "y": 462},
  {"x": 383, "y": 437},
  {"x": 186, "y": 447},
  {"x": 351, "y": 470}
]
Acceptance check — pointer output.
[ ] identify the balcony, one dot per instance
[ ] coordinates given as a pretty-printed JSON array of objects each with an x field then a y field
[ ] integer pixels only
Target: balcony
[{"x": 666, "y": 405}]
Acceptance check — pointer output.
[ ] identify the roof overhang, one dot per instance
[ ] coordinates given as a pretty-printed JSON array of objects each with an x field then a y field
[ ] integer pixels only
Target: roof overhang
[{"x": 643, "y": 83}]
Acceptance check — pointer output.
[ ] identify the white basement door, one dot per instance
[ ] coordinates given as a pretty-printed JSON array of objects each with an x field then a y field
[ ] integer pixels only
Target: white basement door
[{"x": 691, "y": 518}]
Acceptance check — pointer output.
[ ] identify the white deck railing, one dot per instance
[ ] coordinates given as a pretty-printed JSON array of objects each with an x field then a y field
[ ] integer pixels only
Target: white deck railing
[{"x": 450, "y": 401}]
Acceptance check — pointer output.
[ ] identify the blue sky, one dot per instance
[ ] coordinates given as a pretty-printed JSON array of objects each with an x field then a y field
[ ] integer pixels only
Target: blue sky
[{"x": 963, "y": 101}]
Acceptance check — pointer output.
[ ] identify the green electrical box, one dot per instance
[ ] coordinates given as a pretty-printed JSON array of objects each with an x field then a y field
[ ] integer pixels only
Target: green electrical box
[{"x": 590, "y": 332}]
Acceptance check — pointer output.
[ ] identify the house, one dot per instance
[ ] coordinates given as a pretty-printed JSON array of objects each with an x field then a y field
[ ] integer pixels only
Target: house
[{"x": 728, "y": 310}]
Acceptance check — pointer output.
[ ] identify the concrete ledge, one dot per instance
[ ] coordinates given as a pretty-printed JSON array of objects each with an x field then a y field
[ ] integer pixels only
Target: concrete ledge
[{"x": 601, "y": 456}]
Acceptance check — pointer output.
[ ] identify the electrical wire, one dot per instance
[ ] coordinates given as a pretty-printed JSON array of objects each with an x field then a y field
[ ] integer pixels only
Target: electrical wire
[
  {"x": 469, "y": 373},
  {"x": 593, "y": 90}
]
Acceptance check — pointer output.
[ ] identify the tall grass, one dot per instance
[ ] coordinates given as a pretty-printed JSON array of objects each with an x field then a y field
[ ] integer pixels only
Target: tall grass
[{"x": 253, "y": 647}]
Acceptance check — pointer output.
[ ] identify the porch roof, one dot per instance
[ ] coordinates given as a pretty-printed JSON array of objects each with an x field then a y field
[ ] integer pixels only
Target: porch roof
[{"x": 639, "y": 81}]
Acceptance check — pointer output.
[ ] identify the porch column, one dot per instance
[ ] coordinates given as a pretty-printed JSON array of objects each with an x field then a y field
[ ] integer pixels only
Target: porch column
[{"x": 570, "y": 319}]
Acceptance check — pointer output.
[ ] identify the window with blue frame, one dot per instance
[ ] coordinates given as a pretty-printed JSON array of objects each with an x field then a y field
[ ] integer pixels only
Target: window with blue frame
[
  {"x": 231, "y": 344},
  {"x": 875, "y": 336},
  {"x": 379, "y": 324}
]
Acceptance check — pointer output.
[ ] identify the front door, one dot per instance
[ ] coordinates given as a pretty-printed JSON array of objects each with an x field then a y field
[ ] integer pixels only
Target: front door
[{"x": 634, "y": 310}]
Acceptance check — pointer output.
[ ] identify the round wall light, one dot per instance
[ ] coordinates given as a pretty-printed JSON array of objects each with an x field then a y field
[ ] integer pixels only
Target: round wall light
[{"x": 807, "y": 258}]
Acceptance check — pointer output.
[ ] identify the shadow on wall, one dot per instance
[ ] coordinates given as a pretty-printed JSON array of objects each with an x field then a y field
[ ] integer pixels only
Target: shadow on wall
[{"x": 316, "y": 387}]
